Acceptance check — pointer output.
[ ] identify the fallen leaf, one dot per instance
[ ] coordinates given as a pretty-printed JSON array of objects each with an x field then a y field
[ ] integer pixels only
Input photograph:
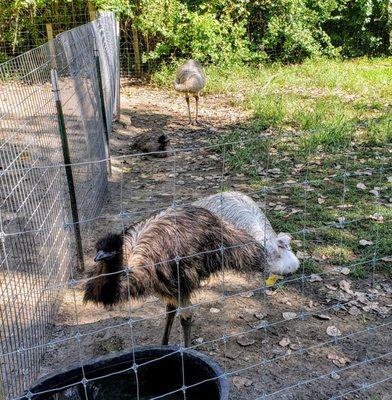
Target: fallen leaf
[
  {"x": 375, "y": 192},
  {"x": 354, "y": 310},
  {"x": 377, "y": 217},
  {"x": 330, "y": 287},
  {"x": 345, "y": 271},
  {"x": 315, "y": 278},
  {"x": 260, "y": 315},
  {"x": 271, "y": 280},
  {"x": 345, "y": 285},
  {"x": 289, "y": 315},
  {"x": 322, "y": 316},
  {"x": 334, "y": 375},
  {"x": 364, "y": 242},
  {"x": 245, "y": 341},
  {"x": 389, "y": 179},
  {"x": 214, "y": 310},
  {"x": 333, "y": 331},
  {"x": 387, "y": 259},
  {"x": 247, "y": 294},
  {"x": 361, "y": 186},
  {"x": 240, "y": 382},
  {"x": 284, "y": 342},
  {"x": 199, "y": 340},
  {"x": 320, "y": 200}
]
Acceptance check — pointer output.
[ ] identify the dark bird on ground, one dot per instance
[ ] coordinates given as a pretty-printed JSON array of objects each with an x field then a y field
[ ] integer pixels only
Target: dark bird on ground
[
  {"x": 190, "y": 80},
  {"x": 155, "y": 144},
  {"x": 169, "y": 255}
]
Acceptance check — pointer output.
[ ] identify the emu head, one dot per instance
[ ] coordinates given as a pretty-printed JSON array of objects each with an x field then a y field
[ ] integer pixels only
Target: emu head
[
  {"x": 108, "y": 247},
  {"x": 104, "y": 283},
  {"x": 281, "y": 258}
]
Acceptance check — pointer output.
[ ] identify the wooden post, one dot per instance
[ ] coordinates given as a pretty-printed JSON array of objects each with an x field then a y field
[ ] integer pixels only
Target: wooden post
[
  {"x": 52, "y": 50},
  {"x": 136, "y": 51},
  {"x": 68, "y": 168},
  {"x": 92, "y": 12}
]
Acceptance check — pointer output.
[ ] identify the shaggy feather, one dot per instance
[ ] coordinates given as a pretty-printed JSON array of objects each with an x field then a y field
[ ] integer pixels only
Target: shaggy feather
[{"x": 148, "y": 254}]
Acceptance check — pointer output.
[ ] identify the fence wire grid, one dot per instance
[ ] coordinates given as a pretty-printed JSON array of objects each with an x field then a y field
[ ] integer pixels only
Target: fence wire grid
[
  {"x": 39, "y": 261},
  {"x": 36, "y": 201}
]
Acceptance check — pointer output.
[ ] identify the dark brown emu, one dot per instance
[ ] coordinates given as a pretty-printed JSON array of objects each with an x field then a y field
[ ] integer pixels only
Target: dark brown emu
[{"x": 169, "y": 254}]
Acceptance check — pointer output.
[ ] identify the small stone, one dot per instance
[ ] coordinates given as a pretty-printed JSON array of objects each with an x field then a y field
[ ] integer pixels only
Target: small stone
[
  {"x": 214, "y": 310},
  {"x": 199, "y": 340}
]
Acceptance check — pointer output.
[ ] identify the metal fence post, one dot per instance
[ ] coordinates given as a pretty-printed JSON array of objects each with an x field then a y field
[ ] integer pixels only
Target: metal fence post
[
  {"x": 118, "y": 100},
  {"x": 103, "y": 108},
  {"x": 68, "y": 168}
]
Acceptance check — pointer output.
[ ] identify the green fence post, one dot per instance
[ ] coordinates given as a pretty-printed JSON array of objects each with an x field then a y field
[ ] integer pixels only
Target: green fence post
[
  {"x": 68, "y": 168},
  {"x": 103, "y": 108}
]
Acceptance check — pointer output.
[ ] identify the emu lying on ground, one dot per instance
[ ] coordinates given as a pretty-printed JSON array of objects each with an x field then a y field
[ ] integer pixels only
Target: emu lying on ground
[
  {"x": 190, "y": 79},
  {"x": 169, "y": 254},
  {"x": 156, "y": 144},
  {"x": 243, "y": 212}
]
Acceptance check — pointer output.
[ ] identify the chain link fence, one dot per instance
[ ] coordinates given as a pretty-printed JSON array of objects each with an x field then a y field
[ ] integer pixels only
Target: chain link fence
[{"x": 37, "y": 216}]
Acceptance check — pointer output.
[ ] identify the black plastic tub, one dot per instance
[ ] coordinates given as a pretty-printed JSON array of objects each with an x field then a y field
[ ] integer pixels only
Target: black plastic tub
[{"x": 159, "y": 374}]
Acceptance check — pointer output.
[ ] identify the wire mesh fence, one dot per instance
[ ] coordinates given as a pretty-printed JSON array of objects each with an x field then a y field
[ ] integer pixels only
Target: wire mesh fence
[
  {"x": 267, "y": 343},
  {"x": 37, "y": 242}
]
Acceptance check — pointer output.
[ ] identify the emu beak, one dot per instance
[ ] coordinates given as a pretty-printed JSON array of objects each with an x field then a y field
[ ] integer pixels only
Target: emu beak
[{"x": 102, "y": 255}]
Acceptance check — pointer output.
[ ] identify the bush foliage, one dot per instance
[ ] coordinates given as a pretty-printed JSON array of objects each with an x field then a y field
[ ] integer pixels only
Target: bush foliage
[{"x": 223, "y": 31}]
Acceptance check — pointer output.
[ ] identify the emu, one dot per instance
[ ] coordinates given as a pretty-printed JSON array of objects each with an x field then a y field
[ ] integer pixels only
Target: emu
[
  {"x": 158, "y": 145},
  {"x": 241, "y": 211},
  {"x": 190, "y": 79},
  {"x": 169, "y": 254}
]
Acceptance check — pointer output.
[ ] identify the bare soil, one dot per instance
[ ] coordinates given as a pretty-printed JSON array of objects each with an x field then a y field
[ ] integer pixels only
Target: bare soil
[{"x": 290, "y": 359}]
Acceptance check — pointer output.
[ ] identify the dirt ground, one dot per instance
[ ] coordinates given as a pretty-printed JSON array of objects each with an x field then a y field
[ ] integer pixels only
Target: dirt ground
[{"x": 294, "y": 357}]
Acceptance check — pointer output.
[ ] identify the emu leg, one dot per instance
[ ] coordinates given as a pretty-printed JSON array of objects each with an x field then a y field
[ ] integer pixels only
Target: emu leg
[
  {"x": 186, "y": 321},
  {"x": 189, "y": 108},
  {"x": 170, "y": 314},
  {"x": 197, "y": 108}
]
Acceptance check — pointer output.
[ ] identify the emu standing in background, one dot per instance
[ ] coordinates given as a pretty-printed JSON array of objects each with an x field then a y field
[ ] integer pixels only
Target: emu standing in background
[
  {"x": 190, "y": 80},
  {"x": 170, "y": 254}
]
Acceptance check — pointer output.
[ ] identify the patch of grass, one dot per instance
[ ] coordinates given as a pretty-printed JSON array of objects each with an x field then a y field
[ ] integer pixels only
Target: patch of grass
[
  {"x": 310, "y": 267},
  {"x": 359, "y": 272},
  {"x": 322, "y": 114}
]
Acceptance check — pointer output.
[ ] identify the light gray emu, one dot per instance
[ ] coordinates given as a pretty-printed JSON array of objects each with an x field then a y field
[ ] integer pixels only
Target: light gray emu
[
  {"x": 190, "y": 80},
  {"x": 170, "y": 254},
  {"x": 241, "y": 211}
]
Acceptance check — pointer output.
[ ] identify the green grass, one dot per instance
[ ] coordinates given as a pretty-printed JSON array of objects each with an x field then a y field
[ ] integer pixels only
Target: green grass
[{"x": 323, "y": 114}]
